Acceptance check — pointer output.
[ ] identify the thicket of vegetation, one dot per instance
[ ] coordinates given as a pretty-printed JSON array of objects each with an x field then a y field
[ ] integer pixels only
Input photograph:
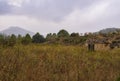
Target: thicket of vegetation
[
  {"x": 62, "y": 37},
  {"x": 60, "y": 57}
]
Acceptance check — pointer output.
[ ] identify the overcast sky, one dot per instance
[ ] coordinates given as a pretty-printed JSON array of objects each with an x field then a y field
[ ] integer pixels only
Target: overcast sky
[{"x": 46, "y": 16}]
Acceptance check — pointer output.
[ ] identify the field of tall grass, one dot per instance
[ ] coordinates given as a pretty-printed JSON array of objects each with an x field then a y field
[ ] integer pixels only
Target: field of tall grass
[{"x": 58, "y": 63}]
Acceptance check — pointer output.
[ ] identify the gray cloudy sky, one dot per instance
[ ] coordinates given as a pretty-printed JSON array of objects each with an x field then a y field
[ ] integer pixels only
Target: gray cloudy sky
[{"x": 46, "y": 16}]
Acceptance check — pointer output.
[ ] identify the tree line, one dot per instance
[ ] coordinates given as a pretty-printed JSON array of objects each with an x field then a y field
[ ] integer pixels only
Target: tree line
[{"x": 62, "y": 37}]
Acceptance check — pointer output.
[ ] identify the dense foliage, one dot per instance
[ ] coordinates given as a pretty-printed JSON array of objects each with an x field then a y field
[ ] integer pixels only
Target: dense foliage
[
  {"x": 62, "y": 37},
  {"x": 26, "y": 40},
  {"x": 63, "y": 33},
  {"x": 37, "y": 38}
]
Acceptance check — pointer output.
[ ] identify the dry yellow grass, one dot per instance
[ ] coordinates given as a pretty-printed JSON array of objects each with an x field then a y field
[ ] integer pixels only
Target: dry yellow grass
[{"x": 58, "y": 63}]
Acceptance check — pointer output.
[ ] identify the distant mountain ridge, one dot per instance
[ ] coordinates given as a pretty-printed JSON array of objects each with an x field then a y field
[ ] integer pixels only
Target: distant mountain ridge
[
  {"x": 109, "y": 30},
  {"x": 16, "y": 31}
]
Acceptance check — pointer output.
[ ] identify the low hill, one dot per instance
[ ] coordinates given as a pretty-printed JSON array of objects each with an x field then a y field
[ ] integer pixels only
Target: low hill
[
  {"x": 109, "y": 30},
  {"x": 16, "y": 31}
]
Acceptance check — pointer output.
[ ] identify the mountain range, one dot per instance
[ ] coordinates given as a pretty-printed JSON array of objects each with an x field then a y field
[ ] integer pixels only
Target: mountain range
[
  {"x": 16, "y": 31},
  {"x": 109, "y": 30}
]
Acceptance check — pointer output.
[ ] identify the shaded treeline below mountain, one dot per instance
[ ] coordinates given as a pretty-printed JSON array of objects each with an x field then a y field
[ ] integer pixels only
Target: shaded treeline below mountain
[{"x": 62, "y": 37}]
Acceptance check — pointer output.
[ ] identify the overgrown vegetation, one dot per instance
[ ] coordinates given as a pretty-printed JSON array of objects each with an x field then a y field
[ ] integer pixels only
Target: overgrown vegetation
[
  {"x": 62, "y": 37},
  {"x": 58, "y": 63},
  {"x": 58, "y": 57}
]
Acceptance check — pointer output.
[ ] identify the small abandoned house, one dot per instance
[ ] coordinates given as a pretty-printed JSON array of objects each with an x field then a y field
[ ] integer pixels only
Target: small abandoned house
[{"x": 97, "y": 44}]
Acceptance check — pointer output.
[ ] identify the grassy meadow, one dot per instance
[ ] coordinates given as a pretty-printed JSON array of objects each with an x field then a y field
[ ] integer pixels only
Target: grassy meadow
[{"x": 58, "y": 63}]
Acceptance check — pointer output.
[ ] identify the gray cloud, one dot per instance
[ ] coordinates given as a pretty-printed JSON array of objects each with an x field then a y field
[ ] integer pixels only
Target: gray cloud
[
  {"x": 53, "y": 9},
  {"x": 73, "y": 15},
  {"x": 50, "y": 10},
  {"x": 5, "y": 8}
]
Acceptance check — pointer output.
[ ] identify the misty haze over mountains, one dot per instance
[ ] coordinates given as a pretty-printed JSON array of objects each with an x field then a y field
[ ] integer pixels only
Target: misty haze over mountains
[
  {"x": 109, "y": 30},
  {"x": 16, "y": 30}
]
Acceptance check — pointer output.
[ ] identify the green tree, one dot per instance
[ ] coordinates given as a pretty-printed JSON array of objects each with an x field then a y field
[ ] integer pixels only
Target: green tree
[
  {"x": 74, "y": 35},
  {"x": 1, "y": 39},
  {"x": 37, "y": 38},
  {"x": 27, "y": 39},
  {"x": 4, "y": 40},
  {"x": 19, "y": 39},
  {"x": 51, "y": 37},
  {"x": 62, "y": 33},
  {"x": 54, "y": 35},
  {"x": 12, "y": 40}
]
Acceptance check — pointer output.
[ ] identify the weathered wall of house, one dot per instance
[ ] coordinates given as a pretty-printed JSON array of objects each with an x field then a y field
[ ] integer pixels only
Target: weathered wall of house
[{"x": 101, "y": 47}]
